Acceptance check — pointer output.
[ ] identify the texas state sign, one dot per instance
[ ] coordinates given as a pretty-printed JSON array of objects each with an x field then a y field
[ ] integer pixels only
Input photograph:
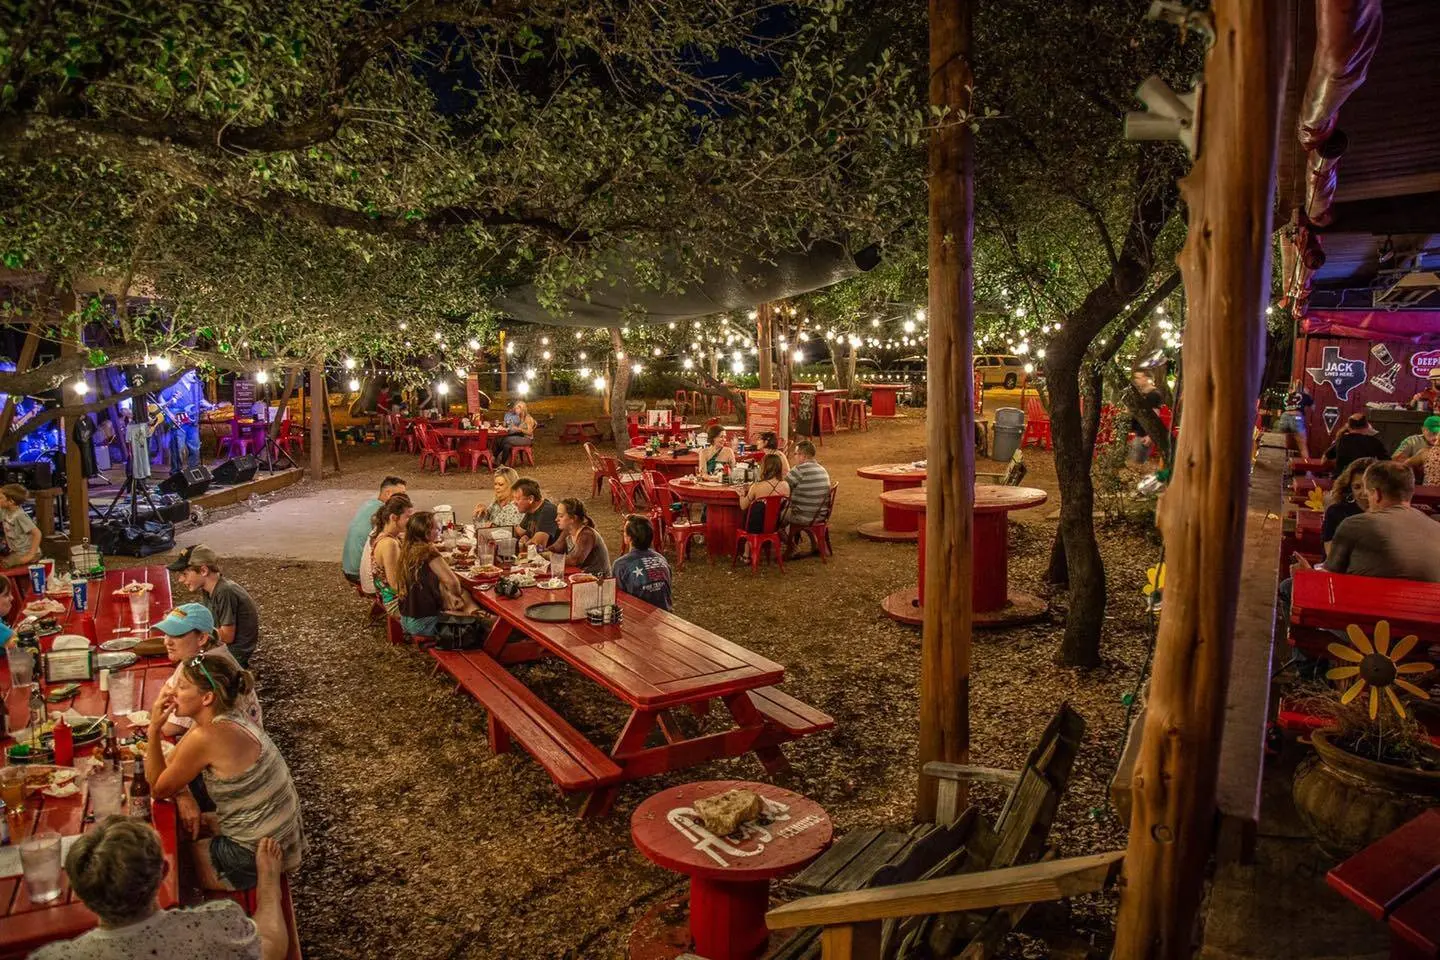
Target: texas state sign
[
  {"x": 1342, "y": 373},
  {"x": 1422, "y": 363}
]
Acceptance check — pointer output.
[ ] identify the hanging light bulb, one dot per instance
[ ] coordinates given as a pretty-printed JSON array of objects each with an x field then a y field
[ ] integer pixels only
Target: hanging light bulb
[
  {"x": 162, "y": 364},
  {"x": 435, "y": 336},
  {"x": 909, "y": 326},
  {"x": 584, "y": 373},
  {"x": 442, "y": 388},
  {"x": 80, "y": 387},
  {"x": 753, "y": 315},
  {"x": 523, "y": 387},
  {"x": 599, "y": 383},
  {"x": 804, "y": 336},
  {"x": 1019, "y": 311},
  {"x": 755, "y": 351},
  {"x": 672, "y": 324},
  {"x": 262, "y": 376},
  {"x": 798, "y": 356},
  {"x": 349, "y": 363},
  {"x": 1040, "y": 354},
  {"x": 545, "y": 355},
  {"x": 461, "y": 372},
  {"x": 404, "y": 325},
  {"x": 637, "y": 369},
  {"x": 624, "y": 331},
  {"x": 544, "y": 341},
  {"x": 854, "y": 340},
  {"x": 530, "y": 374},
  {"x": 688, "y": 364},
  {"x": 737, "y": 367},
  {"x": 619, "y": 354},
  {"x": 875, "y": 322},
  {"x": 510, "y": 348},
  {"x": 354, "y": 385},
  {"x": 582, "y": 355},
  {"x": 656, "y": 351},
  {"x": 474, "y": 344},
  {"x": 920, "y": 314},
  {"x": 579, "y": 334},
  {"x": 1269, "y": 311},
  {"x": 1029, "y": 368}
]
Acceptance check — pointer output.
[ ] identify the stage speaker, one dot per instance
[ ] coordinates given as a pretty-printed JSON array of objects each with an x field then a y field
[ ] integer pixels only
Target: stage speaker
[
  {"x": 32, "y": 475},
  {"x": 190, "y": 482},
  {"x": 238, "y": 470}
]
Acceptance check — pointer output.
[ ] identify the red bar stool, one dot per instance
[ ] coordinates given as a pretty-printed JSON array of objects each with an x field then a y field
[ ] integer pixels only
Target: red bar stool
[
  {"x": 826, "y": 417},
  {"x": 520, "y": 455},
  {"x": 856, "y": 417}
]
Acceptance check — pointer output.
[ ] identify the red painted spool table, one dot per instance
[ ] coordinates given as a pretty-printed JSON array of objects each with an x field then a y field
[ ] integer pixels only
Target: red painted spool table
[
  {"x": 722, "y": 511},
  {"x": 995, "y": 604},
  {"x": 665, "y": 461},
  {"x": 883, "y": 398},
  {"x": 897, "y": 524},
  {"x": 729, "y": 876}
]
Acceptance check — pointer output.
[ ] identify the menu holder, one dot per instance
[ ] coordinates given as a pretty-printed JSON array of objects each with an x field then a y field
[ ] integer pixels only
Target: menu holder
[
  {"x": 591, "y": 595},
  {"x": 65, "y": 665}
]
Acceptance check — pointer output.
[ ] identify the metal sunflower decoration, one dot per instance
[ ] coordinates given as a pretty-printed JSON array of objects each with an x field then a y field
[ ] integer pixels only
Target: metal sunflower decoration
[
  {"x": 1377, "y": 665},
  {"x": 1154, "y": 586},
  {"x": 1315, "y": 500}
]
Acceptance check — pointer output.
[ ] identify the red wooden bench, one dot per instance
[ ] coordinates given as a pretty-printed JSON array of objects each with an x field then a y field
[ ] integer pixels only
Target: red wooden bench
[
  {"x": 795, "y": 717},
  {"x": 514, "y": 713},
  {"x": 1397, "y": 879}
]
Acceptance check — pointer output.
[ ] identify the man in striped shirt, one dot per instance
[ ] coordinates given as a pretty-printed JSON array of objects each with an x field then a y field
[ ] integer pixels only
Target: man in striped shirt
[{"x": 809, "y": 491}]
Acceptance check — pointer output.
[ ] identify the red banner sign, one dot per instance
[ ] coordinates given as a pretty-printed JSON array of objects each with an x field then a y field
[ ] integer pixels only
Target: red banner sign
[{"x": 766, "y": 411}]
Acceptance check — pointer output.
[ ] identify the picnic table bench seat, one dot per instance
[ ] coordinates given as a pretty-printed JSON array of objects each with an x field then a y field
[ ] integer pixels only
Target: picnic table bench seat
[
  {"x": 515, "y": 713},
  {"x": 794, "y": 717}
]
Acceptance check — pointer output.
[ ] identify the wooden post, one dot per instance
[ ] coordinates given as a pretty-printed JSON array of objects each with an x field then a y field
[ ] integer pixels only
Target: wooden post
[
  {"x": 945, "y": 642},
  {"x": 765, "y": 337},
  {"x": 1226, "y": 265},
  {"x": 323, "y": 394},
  {"x": 317, "y": 421},
  {"x": 76, "y": 483},
  {"x": 504, "y": 373},
  {"x": 619, "y": 392}
]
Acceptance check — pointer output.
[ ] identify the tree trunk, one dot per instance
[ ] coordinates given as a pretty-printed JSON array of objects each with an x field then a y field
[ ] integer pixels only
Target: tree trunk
[
  {"x": 317, "y": 421},
  {"x": 765, "y": 341},
  {"x": 619, "y": 393},
  {"x": 504, "y": 366},
  {"x": 850, "y": 359},
  {"x": 1226, "y": 263},
  {"x": 1080, "y": 646},
  {"x": 950, "y": 446}
]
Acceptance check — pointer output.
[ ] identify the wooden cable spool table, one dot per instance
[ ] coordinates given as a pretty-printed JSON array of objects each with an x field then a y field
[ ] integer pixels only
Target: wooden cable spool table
[
  {"x": 896, "y": 524},
  {"x": 722, "y": 511},
  {"x": 995, "y": 604},
  {"x": 729, "y": 876},
  {"x": 666, "y": 461},
  {"x": 883, "y": 402}
]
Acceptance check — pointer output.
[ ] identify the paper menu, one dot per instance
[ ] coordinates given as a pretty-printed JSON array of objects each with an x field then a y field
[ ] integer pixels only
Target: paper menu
[{"x": 586, "y": 596}]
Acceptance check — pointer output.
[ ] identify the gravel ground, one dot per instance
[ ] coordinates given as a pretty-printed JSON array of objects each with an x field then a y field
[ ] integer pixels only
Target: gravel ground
[{"x": 426, "y": 845}]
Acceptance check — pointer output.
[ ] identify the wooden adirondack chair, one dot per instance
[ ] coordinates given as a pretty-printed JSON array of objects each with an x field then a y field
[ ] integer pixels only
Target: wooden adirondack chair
[{"x": 953, "y": 888}]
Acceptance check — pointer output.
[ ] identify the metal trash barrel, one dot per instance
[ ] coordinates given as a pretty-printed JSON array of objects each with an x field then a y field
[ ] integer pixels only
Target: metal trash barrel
[{"x": 1009, "y": 427}]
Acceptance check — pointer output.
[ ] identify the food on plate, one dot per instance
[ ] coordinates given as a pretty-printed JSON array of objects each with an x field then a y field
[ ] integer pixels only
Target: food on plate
[
  {"x": 134, "y": 587},
  {"x": 141, "y": 718},
  {"x": 40, "y": 608},
  {"x": 487, "y": 570},
  {"x": 59, "y": 790},
  {"x": 137, "y": 749},
  {"x": 582, "y": 578}
]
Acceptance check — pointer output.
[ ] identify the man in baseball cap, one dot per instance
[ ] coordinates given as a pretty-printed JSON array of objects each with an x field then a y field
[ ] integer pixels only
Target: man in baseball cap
[
  {"x": 237, "y": 621},
  {"x": 1414, "y": 448}
]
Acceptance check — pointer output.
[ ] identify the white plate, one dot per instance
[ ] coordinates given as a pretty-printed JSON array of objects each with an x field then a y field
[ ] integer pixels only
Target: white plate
[
  {"x": 119, "y": 644},
  {"x": 114, "y": 661},
  {"x": 553, "y": 584}
]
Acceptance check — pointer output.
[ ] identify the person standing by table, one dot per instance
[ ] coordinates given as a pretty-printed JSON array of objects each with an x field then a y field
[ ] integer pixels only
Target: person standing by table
[
  {"x": 116, "y": 870},
  {"x": 579, "y": 540},
  {"x": 22, "y": 537},
  {"x": 237, "y": 619},
  {"x": 519, "y": 431},
  {"x": 245, "y": 774},
  {"x": 537, "y": 524},
  {"x": 642, "y": 572},
  {"x": 1355, "y": 440},
  {"x": 1391, "y": 538},
  {"x": 356, "y": 535}
]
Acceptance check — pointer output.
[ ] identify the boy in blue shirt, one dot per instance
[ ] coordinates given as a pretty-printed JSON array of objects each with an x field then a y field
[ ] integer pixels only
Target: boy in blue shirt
[{"x": 641, "y": 572}]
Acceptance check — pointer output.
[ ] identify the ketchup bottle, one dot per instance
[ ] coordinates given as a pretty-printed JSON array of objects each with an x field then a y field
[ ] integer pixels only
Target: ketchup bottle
[{"x": 64, "y": 741}]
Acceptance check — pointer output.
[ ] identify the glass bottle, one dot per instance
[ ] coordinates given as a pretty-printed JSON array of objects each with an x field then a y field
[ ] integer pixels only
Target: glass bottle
[{"x": 139, "y": 792}]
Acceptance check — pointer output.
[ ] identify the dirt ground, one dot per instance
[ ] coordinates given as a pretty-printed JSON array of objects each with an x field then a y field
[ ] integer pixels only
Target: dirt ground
[{"x": 426, "y": 845}]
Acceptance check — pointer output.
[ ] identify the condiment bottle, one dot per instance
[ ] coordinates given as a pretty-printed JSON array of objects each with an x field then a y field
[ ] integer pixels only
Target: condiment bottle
[
  {"x": 105, "y": 681},
  {"x": 64, "y": 740}
]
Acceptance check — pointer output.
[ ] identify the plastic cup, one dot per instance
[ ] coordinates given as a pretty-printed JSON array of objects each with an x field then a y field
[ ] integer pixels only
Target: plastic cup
[
  {"x": 122, "y": 693},
  {"x": 37, "y": 578},
  {"x": 140, "y": 609},
  {"x": 22, "y": 665},
  {"x": 79, "y": 593},
  {"x": 557, "y": 565},
  {"x": 40, "y": 860},
  {"x": 12, "y": 788},
  {"x": 486, "y": 551},
  {"x": 107, "y": 790}
]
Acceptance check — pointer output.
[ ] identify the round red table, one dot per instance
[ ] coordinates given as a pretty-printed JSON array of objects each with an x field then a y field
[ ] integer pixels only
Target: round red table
[
  {"x": 671, "y": 466},
  {"x": 882, "y": 398},
  {"x": 729, "y": 876},
  {"x": 995, "y": 604},
  {"x": 897, "y": 525},
  {"x": 722, "y": 510}
]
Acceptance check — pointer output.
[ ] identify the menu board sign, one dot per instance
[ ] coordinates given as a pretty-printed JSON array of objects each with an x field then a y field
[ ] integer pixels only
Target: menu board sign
[
  {"x": 244, "y": 394},
  {"x": 472, "y": 394},
  {"x": 766, "y": 411}
]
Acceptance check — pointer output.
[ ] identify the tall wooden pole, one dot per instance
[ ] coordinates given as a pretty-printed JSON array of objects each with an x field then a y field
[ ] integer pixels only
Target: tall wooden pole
[
  {"x": 76, "y": 483},
  {"x": 765, "y": 340},
  {"x": 945, "y": 643},
  {"x": 317, "y": 421},
  {"x": 504, "y": 371},
  {"x": 1226, "y": 265}
]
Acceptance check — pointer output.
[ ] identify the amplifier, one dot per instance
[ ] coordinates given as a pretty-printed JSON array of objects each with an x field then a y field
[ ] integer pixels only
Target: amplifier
[
  {"x": 238, "y": 470},
  {"x": 37, "y": 475},
  {"x": 190, "y": 482}
]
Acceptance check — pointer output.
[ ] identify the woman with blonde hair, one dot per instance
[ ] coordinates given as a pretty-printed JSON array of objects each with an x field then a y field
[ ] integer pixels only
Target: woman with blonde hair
[
  {"x": 245, "y": 775},
  {"x": 501, "y": 511},
  {"x": 519, "y": 432},
  {"x": 427, "y": 587}
]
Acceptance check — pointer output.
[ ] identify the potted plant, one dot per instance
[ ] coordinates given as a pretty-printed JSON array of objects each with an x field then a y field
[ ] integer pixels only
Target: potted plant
[{"x": 1374, "y": 767}]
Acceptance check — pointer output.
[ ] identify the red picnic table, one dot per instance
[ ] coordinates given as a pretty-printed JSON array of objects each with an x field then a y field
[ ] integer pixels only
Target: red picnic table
[
  {"x": 1332, "y": 601},
  {"x": 1299, "y": 466},
  {"x": 729, "y": 876},
  {"x": 673, "y": 462},
  {"x": 1300, "y": 488},
  {"x": 722, "y": 510},
  {"x": 25, "y": 925},
  {"x": 897, "y": 524},
  {"x": 1397, "y": 880},
  {"x": 883, "y": 402},
  {"x": 995, "y": 604},
  {"x": 654, "y": 662}
]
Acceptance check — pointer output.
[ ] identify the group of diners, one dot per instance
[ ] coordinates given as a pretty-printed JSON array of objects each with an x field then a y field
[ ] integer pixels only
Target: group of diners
[
  {"x": 1357, "y": 438},
  {"x": 236, "y": 803},
  {"x": 392, "y": 549},
  {"x": 806, "y": 484}
]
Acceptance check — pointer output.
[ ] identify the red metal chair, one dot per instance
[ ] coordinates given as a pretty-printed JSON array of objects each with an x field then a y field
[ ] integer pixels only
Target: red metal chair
[
  {"x": 680, "y": 527},
  {"x": 818, "y": 529},
  {"x": 431, "y": 451},
  {"x": 622, "y": 485},
  {"x": 1037, "y": 425},
  {"x": 519, "y": 455},
  {"x": 477, "y": 452},
  {"x": 288, "y": 436},
  {"x": 597, "y": 472},
  {"x": 826, "y": 413},
  {"x": 769, "y": 533}
]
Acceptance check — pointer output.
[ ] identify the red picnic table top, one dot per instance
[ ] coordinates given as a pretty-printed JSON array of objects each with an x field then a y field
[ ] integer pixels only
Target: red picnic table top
[
  {"x": 1397, "y": 878},
  {"x": 26, "y": 926},
  {"x": 1332, "y": 601},
  {"x": 989, "y": 498},
  {"x": 899, "y": 473}
]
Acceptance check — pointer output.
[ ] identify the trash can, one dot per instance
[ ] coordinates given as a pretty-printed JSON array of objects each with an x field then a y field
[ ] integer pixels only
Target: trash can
[{"x": 1009, "y": 426}]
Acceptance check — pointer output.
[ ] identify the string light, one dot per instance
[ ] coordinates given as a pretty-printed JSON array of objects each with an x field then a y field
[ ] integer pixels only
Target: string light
[
  {"x": 354, "y": 385},
  {"x": 584, "y": 372},
  {"x": 262, "y": 376},
  {"x": 688, "y": 364},
  {"x": 599, "y": 383},
  {"x": 920, "y": 314},
  {"x": 442, "y": 388},
  {"x": 474, "y": 344},
  {"x": 656, "y": 351},
  {"x": 637, "y": 369},
  {"x": 545, "y": 355},
  {"x": 435, "y": 336},
  {"x": 349, "y": 363},
  {"x": 582, "y": 355},
  {"x": 909, "y": 326},
  {"x": 530, "y": 374},
  {"x": 672, "y": 324},
  {"x": 404, "y": 325},
  {"x": 544, "y": 341},
  {"x": 579, "y": 334},
  {"x": 80, "y": 387},
  {"x": 523, "y": 387},
  {"x": 162, "y": 364},
  {"x": 737, "y": 367},
  {"x": 460, "y": 372},
  {"x": 510, "y": 348},
  {"x": 875, "y": 322},
  {"x": 798, "y": 356}
]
